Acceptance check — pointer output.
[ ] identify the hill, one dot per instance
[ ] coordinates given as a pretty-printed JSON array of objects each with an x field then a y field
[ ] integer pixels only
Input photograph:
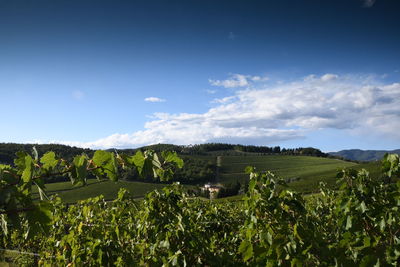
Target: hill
[
  {"x": 71, "y": 194},
  {"x": 8, "y": 150},
  {"x": 303, "y": 168},
  {"x": 363, "y": 155},
  {"x": 302, "y": 172}
]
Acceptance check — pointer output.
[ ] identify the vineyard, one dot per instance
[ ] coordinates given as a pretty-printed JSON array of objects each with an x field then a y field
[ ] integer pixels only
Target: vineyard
[
  {"x": 359, "y": 224},
  {"x": 304, "y": 172}
]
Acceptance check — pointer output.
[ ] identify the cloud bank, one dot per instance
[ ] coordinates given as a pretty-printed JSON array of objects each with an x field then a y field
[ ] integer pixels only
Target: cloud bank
[{"x": 273, "y": 113}]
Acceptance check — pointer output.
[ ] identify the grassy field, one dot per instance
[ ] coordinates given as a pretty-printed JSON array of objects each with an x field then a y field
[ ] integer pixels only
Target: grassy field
[
  {"x": 305, "y": 172},
  {"x": 70, "y": 194}
]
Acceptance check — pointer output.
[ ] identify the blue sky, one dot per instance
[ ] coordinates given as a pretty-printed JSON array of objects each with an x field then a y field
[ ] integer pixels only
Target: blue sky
[{"x": 122, "y": 74}]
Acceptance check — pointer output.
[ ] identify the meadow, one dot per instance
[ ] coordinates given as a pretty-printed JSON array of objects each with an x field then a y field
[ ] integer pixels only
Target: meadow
[
  {"x": 109, "y": 189},
  {"x": 304, "y": 173}
]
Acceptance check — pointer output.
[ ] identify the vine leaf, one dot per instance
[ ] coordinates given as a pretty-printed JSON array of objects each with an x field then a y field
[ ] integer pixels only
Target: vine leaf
[
  {"x": 246, "y": 249},
  {"x": 172, "y": 157},
  {"x": 79, "y": 171},
  {"x": 39, "y": 218},
  {"x": 49, "y": 161},
  {"x": 107, "y": 163}
]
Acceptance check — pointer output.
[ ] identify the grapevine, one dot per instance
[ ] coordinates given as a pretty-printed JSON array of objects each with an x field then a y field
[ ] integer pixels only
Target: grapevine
[{"x": 359, "y": 224}]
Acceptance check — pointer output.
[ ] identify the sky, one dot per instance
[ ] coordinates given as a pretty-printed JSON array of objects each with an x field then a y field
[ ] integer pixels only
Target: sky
[{"x": 123, "y": 74}]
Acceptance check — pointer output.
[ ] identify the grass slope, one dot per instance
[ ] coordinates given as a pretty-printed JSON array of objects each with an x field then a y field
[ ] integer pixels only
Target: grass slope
[
  {"x": 306, "y": 171},
  {"x": 71, "y": 194}
]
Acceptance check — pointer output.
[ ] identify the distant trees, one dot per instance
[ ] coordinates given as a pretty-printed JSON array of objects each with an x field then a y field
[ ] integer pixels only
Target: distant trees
[
  {"x": 8, "y": 150},
  {"x": 305, "y": 151},
  {"x": 229, "y": 190},
  {"x": 194, "y": 171}
]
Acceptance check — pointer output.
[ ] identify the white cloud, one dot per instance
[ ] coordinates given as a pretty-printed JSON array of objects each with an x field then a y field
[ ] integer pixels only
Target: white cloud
[
  {"x": 238, "y": 80},
  {"x": 223, "y": 100},
  {"x": 154, "y": 99},
  {"x": 280, "y": 112},
  {"x": 258, "y": 78},
  {"x": 78, "y": 94},
  {"x": 328, "y": 77}
]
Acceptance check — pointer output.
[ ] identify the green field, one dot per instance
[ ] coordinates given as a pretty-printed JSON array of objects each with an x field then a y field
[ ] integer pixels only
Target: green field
[
  {"x": 70, "y": 194},
  {"x": 305, "y": 172}
]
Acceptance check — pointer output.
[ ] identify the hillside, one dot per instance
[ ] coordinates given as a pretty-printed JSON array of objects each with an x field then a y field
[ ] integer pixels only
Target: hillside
[
  {"x": 215, "y": 163},
  {"x": 302, "y": 172},
  {"x": 363, "y": 155},
  {"x": 71, "y": 194}
]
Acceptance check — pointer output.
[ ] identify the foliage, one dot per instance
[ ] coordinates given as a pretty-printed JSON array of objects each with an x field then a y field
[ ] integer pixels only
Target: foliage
[
  {"x": 17, "y": 205},
  {"x": 194, "y": 171},
  {"x": 356, "y": 225}
]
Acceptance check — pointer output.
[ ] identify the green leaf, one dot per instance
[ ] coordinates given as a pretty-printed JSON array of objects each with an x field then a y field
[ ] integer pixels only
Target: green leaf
[
  {"x": 8, "y": 174},
  {"x": 363, "y": 207},
  {"x": 348, "y": 222},
  {"x": 368, "y": 260},
  {"x": 296, "y": 262},
  {"x": 156, "y": 162},
  {"x": 367, "y": 241},
  {"x": 112, "y": 168},
  {"x": 391, "y": 164},
  {"x": 138, "y": 160},
  {"x": 269, "y": 238},
  {"x": 246, "y": 249},
  {"x": 143, "y": 163},
  {"x": 382, "y": 224},
  {"x": 249, "y": 170},
  {"x": 4, "y": 225},
  {"x": 39, "y": 218},
  {"x": 296, "y": 232},
  {"x": 35, "y": 153},
  {"x": 27, "y": 173},
  {"x": 49, "y": 161},
  {"x": 19, "y": 161},
  {"x": 79, "y": 169},
  {"x": 107, "y": 163},
  {"x": 42, "y": 193},
  {"x": 172, "y": 157},
  {"x": 101, "y": 157}
]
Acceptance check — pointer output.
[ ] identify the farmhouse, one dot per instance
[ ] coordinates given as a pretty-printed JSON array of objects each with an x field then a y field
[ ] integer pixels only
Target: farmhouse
[{"x": 213, "y": 190}]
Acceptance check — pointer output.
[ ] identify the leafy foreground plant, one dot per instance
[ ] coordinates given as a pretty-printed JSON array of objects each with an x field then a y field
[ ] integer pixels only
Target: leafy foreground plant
[
  {"x": 17, "y": 208},
  {"x": 358, "y": 225}
]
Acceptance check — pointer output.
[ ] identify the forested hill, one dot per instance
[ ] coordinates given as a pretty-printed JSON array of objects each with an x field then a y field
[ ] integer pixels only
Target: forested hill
[
  {"x": 8, "y": 150},
  {"x": 363, "y": 155},
  {"x": 232, "y": 149}
]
